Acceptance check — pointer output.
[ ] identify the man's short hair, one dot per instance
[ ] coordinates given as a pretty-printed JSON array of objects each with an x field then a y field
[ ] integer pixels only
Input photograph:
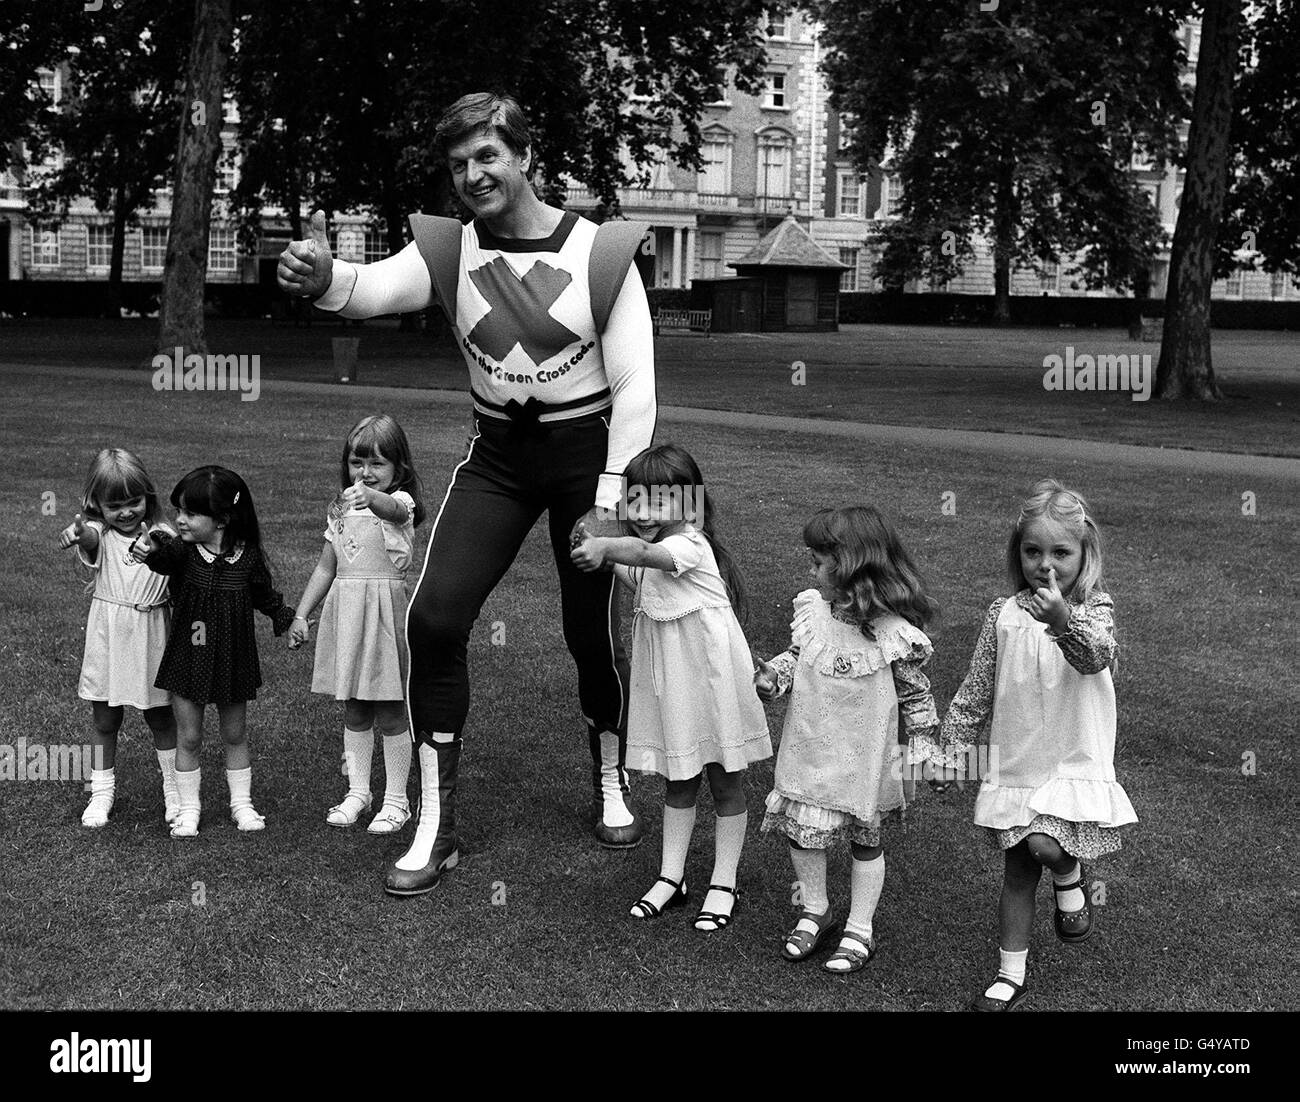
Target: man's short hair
[{"x": 483, "y": 113}]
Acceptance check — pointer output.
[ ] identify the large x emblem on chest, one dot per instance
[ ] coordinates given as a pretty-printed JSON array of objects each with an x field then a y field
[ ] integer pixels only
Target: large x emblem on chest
[{"x": 519, "y": 311}]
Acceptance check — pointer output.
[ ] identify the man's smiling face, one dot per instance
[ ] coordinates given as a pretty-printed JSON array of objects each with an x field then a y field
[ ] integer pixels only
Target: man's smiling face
[{"x": 489, "y": 176}]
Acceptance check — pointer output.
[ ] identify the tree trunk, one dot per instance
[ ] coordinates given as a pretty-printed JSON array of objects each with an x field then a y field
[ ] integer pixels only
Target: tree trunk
[
  {"x": 181, "y": 312},
  {"x": 1004, "y": 239},
  {"x": 1185, "y": 370},
  {"x": 120, "y": 212}
]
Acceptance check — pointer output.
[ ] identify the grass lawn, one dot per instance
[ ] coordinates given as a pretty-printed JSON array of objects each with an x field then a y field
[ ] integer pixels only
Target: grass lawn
[
  {"x": 984, "y": 379},
  {"x": 1199, "y": 911}
]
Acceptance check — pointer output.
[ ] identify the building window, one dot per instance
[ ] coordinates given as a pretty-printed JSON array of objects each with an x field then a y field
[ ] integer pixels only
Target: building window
[
  {"x": 719, "y": 94},
  {"x": 774, "y": 160},
  {"x": 221, "y": 249},
  {"x": 376, "y": 247},
  {"x": 774, "y": 90},
  {"x": 46, "y": 252},
  {"x": 51, "y": 85},
  {"x": 850, "y": 191},
  {"x": 777, "y": 26},
  {"x": 710, "y": 246},
  {"x": 891, "y": 197},
  {"x": 715, "y": 177},
  {"x": 226, "y": 175},
  {"x": 1049, "y": 276},
  {"x": 849, "y": 279},
  {"x": 1236, "y": 280},
  {"x": 153, "y": 248},
  {"x": 99, "y": 247}
]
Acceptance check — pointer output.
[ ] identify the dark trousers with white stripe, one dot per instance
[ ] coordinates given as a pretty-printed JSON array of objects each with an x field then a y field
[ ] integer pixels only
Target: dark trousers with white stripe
[{"x": 508, "y": 479}]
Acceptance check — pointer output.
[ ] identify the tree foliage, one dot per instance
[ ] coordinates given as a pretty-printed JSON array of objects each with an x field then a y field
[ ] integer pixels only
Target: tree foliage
[{"x": 1017, "y": 125}]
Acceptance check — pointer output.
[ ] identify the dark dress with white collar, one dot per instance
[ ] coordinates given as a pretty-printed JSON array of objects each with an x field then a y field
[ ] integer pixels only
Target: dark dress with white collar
[{"x": 211, "y": 655}]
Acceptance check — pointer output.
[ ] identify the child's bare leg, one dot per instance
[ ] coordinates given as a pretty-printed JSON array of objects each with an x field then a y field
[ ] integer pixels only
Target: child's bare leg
[
  {"x": 162, "y": 723},
  {"x": 679, "y": 823},
  {"x": 103, "y": 782},
  {"x": 189, "y": 742},
  {"x": 1066, "y": 872},
  {"x": 1015, "y": 919}
]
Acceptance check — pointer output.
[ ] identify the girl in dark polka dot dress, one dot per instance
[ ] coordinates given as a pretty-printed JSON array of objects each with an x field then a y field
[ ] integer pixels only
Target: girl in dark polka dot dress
[{"x": 218, "y": 576}]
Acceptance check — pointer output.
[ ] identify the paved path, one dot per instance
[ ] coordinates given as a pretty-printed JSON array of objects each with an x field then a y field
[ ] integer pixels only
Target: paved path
[{"x": 1005, "y": 443}]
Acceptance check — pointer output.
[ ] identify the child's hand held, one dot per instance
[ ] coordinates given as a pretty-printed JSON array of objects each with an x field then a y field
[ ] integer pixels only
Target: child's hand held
[
  {"x": 765, "y": 679},
  {"x": 589, "y": 555},
  {"x": 73, "y": 532}
]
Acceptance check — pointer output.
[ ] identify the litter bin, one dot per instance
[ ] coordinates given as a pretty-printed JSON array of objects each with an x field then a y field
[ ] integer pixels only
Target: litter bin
[{"x": 345, "y": 358}]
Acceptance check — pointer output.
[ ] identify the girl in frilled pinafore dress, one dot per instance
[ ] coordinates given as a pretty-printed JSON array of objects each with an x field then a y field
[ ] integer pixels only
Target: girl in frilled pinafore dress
[
  {"x": 361, "y": 655},
  {"x": 692, "y": 707},
  {"x": 854, "y": 667},
  {"x": 1042, "y": 672}
]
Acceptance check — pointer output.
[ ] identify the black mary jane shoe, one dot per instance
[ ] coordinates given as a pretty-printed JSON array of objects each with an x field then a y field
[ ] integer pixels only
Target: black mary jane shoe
[
  {"x": 720, "y": 921},
  {"x": 986, "y": 1005},
  {"x": 643, "y": 908},
  {"x": 1073, "y": 927}
]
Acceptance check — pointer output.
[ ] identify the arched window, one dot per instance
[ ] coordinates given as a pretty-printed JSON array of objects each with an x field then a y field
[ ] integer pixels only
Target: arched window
[
  {"x": 715, "y": 150},
  {"x": 775, "y": 163}
]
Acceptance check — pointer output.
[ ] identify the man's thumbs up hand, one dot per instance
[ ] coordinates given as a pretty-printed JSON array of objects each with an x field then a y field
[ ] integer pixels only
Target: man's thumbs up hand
[{"x": 306, "y": 267}]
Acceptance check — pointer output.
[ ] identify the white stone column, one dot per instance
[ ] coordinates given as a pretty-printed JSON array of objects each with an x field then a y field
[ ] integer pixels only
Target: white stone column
[
  {"x": 676, "y": 280},
  {"x": 688, "y": 273}
]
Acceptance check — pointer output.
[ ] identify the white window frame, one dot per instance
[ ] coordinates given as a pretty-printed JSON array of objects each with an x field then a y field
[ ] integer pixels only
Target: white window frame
[
  {"x": 891, "y": 195},
  {"x": 843, "y": 176},
  {"x": 40, "y": 247},
  {"x": 723, "y": 142},
  {"x": 145, "y": 232},
  {"x": 765, "y": 143},
  {"x": 849, "y": 278},
  {"x": 1049, "y": 276},
  {"x": 374, "y": 246},
  {"x": 780, "y": 21},
  {"x": 56, "y": 84},
  {"x": 1236, "y": 276},
  {"x": 770, "y": 91},
  {"x": 1277, "y": 286},
  {"x": 723, "y": 75},
  {"x": 107, "y": 230},
  {"x": 228, "y": 255}
]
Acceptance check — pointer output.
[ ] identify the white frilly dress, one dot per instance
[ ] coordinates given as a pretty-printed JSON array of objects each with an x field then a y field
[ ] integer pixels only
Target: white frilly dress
[
  {"x": 361, "y": 641},
  {"x": 126, "y": 628},
  {"x": 1051, "y": 702},
  {"x": 692, "y": 696},
  {"x": 839, "y": 764}
]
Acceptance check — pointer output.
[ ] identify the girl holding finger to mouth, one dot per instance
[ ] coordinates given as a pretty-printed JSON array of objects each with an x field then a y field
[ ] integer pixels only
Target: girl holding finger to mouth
[{"x": 1041, "y": 678}]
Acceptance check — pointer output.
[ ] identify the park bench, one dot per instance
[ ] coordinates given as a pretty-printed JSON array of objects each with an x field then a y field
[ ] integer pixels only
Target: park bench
[{"x": 694, "y": 321}]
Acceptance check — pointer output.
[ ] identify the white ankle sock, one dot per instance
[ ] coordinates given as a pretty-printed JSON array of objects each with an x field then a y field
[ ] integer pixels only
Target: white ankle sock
[
  {"x": 187, "y": 814},
  {"x": 397, "y": 767},
  {"x": 171, "y": 794},
  {"x": 358, "y": 751},
  {"x": 1012, "y": 967},
  {"x": 103, "y": 787},
  {"x": 426, "y": 830},
  {"x": 1071, "y": 900},
  {"x": 614, "y": 808},
  {"x": 868, "y": 880},
  {"x": 241, "y": 799}
]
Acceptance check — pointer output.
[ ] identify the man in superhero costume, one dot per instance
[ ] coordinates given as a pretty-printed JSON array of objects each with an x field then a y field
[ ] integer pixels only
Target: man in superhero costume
[{"x": 552, "y": 319}]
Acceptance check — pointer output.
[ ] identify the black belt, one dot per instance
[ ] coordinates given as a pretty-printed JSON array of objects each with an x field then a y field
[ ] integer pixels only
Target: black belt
[{"x": 525, "y": 417}]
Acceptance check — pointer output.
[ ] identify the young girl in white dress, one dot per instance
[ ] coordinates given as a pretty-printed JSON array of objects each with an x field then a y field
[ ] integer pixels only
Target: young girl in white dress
[
  {"x": 361, "y": 655},
  {"x": 126, "y": 629},
  {"x": 854, "y": 667},
  {"x": 692, "y": 707},
  {"x": 1041, "y": 673}
]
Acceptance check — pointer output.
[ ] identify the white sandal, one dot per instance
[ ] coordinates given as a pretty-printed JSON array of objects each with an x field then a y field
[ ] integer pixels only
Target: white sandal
[
  {"x": 348, "y": 810},
  {"x": 391, "y": 818}
]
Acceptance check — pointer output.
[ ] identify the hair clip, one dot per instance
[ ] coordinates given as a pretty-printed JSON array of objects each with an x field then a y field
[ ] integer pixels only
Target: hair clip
[{"x": 236, "y": 498}]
